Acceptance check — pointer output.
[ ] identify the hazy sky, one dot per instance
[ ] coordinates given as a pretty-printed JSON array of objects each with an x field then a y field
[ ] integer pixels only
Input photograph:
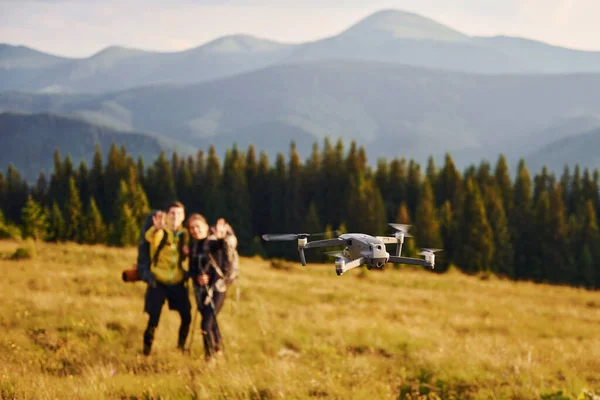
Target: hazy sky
[{"x": 82, "y": 27}]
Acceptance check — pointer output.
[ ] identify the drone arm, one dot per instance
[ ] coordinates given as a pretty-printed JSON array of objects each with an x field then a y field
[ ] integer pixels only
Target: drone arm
[
  {"x": 343, "y": 267},
  {"x": 302, "y": 257},
  {"x": 387, "y": 239},
  {"x": 410, "y": 260},
  {"x": 324, "y": 243}
]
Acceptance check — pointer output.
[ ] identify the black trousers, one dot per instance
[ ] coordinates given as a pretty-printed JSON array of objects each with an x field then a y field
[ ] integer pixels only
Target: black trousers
[
  {"x": 210, "y": 328},
  {"x": 178, "y": 300}
]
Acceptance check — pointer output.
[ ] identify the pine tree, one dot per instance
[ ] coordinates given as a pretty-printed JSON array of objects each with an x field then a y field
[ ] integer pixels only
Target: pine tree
[
  {"x": 484, "y": 177},
  {"x": 58, "y": 184},
  {"x": 113, "y": 174},
  {"x": 236, "y": 199},
  {"x": 521, "y": 222},
  {"x": 502, "y": 262},
  {"x": 138, "y": 204},
  {"x": 542, "y": 183},
  {"x": 3, "y": 193},
  {"x": 198, "y": 190},
  {"x": 427, "y": 229},
  {"x": 448, "y": 234},
  {"x": 124, "y": 230},
  {"x": 212, "y": 189},
  {"x": 96, "y": 179},
  {"x": 73, "y": 213},
  {"x": 261, "y": 197},
  {"x": 412, "y": 186},
  {"x": 504, "y": 184},
  {"x": 296, "y": 210},
  {"x": 575, "y": 202},
  {"x": 82, "y": 182},
  {"x": 397, "y": 190},
  {"x": 277, "y": 194},
  {"x": 448, "y": 184},
  {"x": 403, "y": 216},
  {"x": 34, "y": 220},
  {"x": 16, "y": 195},
  {"x": 558, "y": 241},
  {"x": 431, "y": 172},
  {"x": 94, "y": 230},
  {"x": 477, "y": 243},
  {"x": 184, "y": 183},
  {"x": 382, "y": 177},
  {"x": 366, "y": 210},
  {"x": 57, "y": 229},
  {"x": 333, "y": 188},
  {"x": 163, "y": 183},
  {"x": 470, "y": 173},
  {"x": 312, "y": 224},
  {"x": 353, "y": 163},
  {"x": 40, "y": 191},
  {"x": 140, "y": 170},
  {"x": 540, "y": 253},
  {"x": 588, "y": 236},
  {"x": 312, "y": 177}
]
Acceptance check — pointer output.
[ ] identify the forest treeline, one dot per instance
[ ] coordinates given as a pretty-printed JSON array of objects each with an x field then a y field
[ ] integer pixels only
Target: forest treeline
[{"x": 542, "y": 228}]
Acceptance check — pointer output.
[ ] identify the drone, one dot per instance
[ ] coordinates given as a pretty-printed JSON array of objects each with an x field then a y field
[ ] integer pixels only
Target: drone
[{"x": 360, "y": 249}]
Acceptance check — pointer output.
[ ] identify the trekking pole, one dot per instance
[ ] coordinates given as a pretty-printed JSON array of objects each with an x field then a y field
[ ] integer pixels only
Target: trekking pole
[{"x": 194, "y": 322}]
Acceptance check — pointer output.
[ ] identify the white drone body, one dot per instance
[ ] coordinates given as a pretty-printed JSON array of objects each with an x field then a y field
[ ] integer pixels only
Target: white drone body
[{"x": 361, "y": 249}]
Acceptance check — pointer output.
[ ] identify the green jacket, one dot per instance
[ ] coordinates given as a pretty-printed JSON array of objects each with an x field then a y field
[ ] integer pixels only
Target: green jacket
[{"x": 168, "y": 268}]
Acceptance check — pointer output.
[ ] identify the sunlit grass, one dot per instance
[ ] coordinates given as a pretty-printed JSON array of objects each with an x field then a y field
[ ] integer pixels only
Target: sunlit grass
[{"x": 71, "y": 329}]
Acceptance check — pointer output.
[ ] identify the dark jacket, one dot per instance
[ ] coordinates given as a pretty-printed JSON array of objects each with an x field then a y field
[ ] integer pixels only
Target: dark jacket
[{"x": 215, "y": 257}]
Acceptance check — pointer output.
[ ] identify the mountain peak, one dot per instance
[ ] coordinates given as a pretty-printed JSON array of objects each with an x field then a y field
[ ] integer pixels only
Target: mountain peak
[
  {"x": 115, "y": 53},
  {"x": 241, "y": 44},
  {"x": 18, "y": 56},
  {"x": 403, "y": 25}
]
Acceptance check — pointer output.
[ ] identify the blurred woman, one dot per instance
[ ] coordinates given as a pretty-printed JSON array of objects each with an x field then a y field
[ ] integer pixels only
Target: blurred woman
[{"x": 213, "y": 267}]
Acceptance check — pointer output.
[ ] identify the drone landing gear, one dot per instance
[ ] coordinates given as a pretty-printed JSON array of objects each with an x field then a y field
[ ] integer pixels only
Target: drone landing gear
[{"x": 341, "y": 264}]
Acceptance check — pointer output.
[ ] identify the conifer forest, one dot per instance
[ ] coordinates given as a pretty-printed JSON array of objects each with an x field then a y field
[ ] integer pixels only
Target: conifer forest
[{"x": 532, "y": 225}]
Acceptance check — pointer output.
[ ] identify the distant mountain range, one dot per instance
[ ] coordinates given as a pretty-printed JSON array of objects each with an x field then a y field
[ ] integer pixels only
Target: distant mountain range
[
  {"x": 392, "y": 110},
  {"x": 385, "y": 36},
  {"x": 397, "y": 83}
]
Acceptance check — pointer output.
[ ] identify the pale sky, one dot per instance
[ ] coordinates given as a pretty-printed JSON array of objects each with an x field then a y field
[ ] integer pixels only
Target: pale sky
[{"x": 79, "y": 28}]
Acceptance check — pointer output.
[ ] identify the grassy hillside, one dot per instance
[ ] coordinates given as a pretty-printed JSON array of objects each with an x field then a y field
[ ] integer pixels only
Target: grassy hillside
[
  {"x": 393, "y": 110},
  {"x": 29, "y": 141},
  {"x": 71, "y": 329}
]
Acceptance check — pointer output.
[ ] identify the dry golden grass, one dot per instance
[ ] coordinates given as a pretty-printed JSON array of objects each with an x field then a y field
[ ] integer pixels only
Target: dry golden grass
[{"x": 71, "y": 329}]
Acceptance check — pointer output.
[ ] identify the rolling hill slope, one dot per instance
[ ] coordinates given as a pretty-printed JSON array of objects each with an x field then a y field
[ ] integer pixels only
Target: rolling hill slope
[
  {"x": 28, "y": 142},
  {"x": 582, "y": 149},
  {"x": 393, "y": 110}
]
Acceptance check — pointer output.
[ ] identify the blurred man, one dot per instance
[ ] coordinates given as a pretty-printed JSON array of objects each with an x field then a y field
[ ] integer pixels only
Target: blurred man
[{"x": 167, "y": 279}]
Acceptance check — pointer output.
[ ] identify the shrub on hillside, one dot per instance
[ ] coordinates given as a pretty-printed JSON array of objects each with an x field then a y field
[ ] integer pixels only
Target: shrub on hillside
[
  {"x": 8, "y": 231},
  {"x": 22, "y": 253}
]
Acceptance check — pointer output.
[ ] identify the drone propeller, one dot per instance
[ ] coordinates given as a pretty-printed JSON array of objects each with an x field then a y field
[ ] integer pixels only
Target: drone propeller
[
  {"x": 401, "y": 233},
  {"x": 401, "y": 228},
  {"x": 337, "y": 254},
  {"x": 293, "y": 236},
  {"x": 301, "y": 237},
  {"x": 425, "y": 251}
]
